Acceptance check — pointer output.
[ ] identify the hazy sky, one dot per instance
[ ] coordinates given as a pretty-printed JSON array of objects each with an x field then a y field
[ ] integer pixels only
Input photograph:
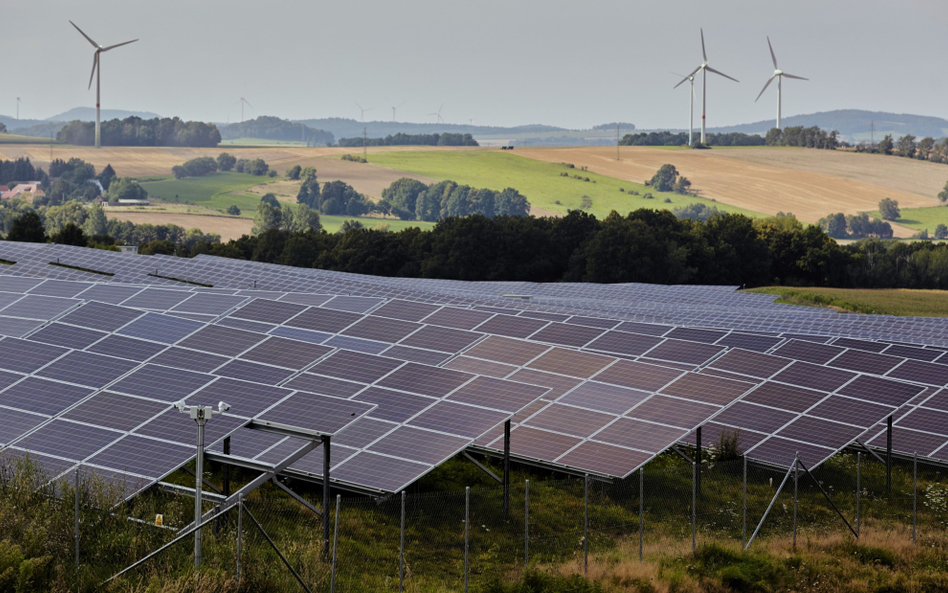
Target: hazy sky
[{"x": 501, "y": 62}]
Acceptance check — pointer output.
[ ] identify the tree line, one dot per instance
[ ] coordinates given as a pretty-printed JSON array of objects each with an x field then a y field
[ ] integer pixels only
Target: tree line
[
  {"x": 910, "y": 147},
  {"x": 205, "y": 165},
  {"x": 681, "y": 139},
  {"x": 400, "y": 139},
  {"x": 135, "y": 131},
  {"x": 273, "y": 128},
  {"x": 410, "y": 199},
  {"x": 812, "y": 137}
]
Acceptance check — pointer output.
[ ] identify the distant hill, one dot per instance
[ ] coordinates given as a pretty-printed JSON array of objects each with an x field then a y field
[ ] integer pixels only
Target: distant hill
[
  {"x": 88, "y": 114},
  {"x": 854, "y": 124},
  {"x": 267, "y": 127},
  {"x": 350, "y": 128}
]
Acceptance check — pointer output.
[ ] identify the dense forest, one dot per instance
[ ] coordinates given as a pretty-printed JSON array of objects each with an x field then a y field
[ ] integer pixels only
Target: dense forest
[
  {"x": 681, "y": 139},
  {"x": 400, "y": 139},
  {"x": 135, "y": 131},
  {"x": 273, "y": 128}
]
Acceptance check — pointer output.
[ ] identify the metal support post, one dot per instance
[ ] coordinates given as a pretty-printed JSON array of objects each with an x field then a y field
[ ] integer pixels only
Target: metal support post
[
  {"x": 507, "y": 469},
  {"x": 467, "y": 523},
  {"x": 77, "y": 517},
  {"x": 641, "y": 508},
  {"x": 796, "y": 480},
  {"x": 694, "y": 514},
  {"x": 769, "y": 507},
  {"x": 744, "y": 523},
  {"x": 586, "y": 525},
  {"x": 240, "y": 532},
  {"x": 526, "y": 525},
  {"x": 326, "y": 450},
  {"x": 225, "y": 481},
  {"x": 888, "y": 457},
  {"x": 858, "y": 488},
  {"x": 335, "y": 546},
  {"x": 914, "y": 495},
  {"x": 198, "y": 484},
  {"x": 401, "y": 550},
  {"x": 698, "y": 461}
]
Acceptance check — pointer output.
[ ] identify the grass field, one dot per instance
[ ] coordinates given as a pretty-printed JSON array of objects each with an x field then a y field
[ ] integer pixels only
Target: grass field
[
  {"x": 921, "y": 218},
  {"x": 16, "y": 139},
  {"x": 540, "y": 182},
  {"x": 920, "y": 303},
  {"x": 217, "y": 191}
]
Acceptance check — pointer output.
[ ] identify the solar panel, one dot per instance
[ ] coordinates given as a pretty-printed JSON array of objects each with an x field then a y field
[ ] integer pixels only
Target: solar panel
[
  {"x": 355, "y": 366},
  {"x": 321, "y": 413},
  {"x": 124, "y": 347},
  {"x": 99, "y": 316},
  {"x": 507, "y": 351},
  {"x": 145, "y": 456},
  {"x": 513, "y": 327},
  {"x": 420, "y": 445},
  {"x": 252, "y": 371},
  {"x": 161, "y": 383},
  {"x": 25, "y": 357},
  {"x": 39, "y": 307},
  {"x": 156, "y": 298},
  {"x": 221, "y": 340},
  {"x": 424, "y": 380},
  {"x": 604, "y": 398},
  {"x": 15, "y": 423},
  {"x": 160, "y": 328},
  {"x": 381, "y": 472},
  {"x": 16, "y": 327},
  {"x": 118, "y": 412},
  {"x": 268, "y": 311},
  {"x": 85, "y": 368},
  {"x": 66, "y": 336},
  {"x": 394, "y": 406},
  {"x": 68, "y": 439},
  {"x": 323, "y": 320}
]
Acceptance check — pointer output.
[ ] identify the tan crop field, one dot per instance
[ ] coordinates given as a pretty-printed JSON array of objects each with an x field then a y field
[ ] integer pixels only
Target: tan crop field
[
  {"x": 840, "y": 182},
  {"x": 228, "y": 227}
]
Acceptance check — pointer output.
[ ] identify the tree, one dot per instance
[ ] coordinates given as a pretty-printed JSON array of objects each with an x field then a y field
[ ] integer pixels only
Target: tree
[
  {"x": 402, "y": 196},
  {"x": 941, "y": 232},
  {"x": 3, "y": 128},
  {"x": 943, "y": 194},
  {"x": 126, "y": 188},
  {"x": 71, "y": 234},
  {"x": 271, "y": 199},
  {"x": 57, "y": 217},
  {"x": 510, "y": 202},
  {"x": 233, "y": 210},
  {"x": 309, "y": 189},
  {"x": 28, "y": 228},
  {"x": 682, "y": 185},
  {"x": 106, "y": 177},
  {"x": 835, "y": 225},
  {"x": 225, "y": 161},
  {"x": 924, "y": 149},
  {"x": 885, "y": 147},
  {"x": 906, "y": 146},
  {"x": 889, "y": 209},
  {"x": 268, "y": 217},
  {"x": 664, "y": 179},
  {"x": 294, "y": 172},
  {"x": 307, "y": 219},
  {"x": 179, "y": 172},
  {"x": 96, "y": 222}
]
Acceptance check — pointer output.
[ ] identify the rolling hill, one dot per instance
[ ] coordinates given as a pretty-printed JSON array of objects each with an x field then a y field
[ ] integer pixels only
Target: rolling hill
[{"x": 855, "y": 124}]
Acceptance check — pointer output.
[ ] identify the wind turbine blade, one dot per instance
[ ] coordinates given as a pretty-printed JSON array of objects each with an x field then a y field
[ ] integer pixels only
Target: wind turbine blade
[
  {"x": 710, "y": 69},
  {"x": 248, "y": 103},
  {"x": 118, "y": 45},
  {"x": 402, "y": 103},
  {"x": 772, "y": 56},
  {"x": 704, "y": 54},
  {"x": 95, "y": 63},
  {"x": 693, "y": 72},
  {"x": 94, "y": 44},
  {"x": 769, "y": 80},
  {"x": 357, "y": 104},
  {"x": 795, "y": 77}
]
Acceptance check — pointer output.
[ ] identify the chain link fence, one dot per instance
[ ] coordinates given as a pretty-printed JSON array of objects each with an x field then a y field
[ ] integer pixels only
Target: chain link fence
[{"x": 420, "y": 541}]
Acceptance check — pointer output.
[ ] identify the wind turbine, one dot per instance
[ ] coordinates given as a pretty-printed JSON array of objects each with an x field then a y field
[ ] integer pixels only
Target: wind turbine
[
  {"x": 704, "y": 68},
  {"x": 778, "y": 74},
  {"x": 242, "y": 102},
  {"x": 691, "y": 114},
  {"x": 364, "y": 110},
  {"x": 96, "y": 70},
  {"x": 393, "y": 109},
  {"x": 438, "y": 114}
]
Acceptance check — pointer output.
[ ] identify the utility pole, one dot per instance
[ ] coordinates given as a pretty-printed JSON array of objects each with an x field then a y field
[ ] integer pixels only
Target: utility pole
[
  {"x": 617, "y": 142},
  {"x": 365, "y": 152},
  {"x": 200, "y": 414},
  {"x": 872, "y": 134},
  {"x": 17, "y": 109}
]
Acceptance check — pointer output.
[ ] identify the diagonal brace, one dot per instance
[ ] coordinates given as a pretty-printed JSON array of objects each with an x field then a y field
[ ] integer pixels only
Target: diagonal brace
[
  {"x": 296, "y": 496},
  {"x": 277, "y": 550},
  {"x": 770, "y": 506},
  {"x": 482, "y": 467},
  {"x": 685, "y": 457},
  {"x": 207, "y": 484},
  {"x": 871, "y": 452},
  {"x": 832, "y": 504}
]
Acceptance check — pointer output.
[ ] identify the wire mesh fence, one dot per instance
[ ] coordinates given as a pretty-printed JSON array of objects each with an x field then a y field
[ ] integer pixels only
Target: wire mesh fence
[{"x": 462, "y": 539}]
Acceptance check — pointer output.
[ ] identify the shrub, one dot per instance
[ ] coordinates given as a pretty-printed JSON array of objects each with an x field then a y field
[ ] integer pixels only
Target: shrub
[
  {"x": 941, "y": 232},
  {"x": 233, "y": 210},
  {"x": 889, "y": 209}
]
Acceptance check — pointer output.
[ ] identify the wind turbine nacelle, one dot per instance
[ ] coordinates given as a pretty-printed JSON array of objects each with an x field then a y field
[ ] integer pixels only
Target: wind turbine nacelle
[{"x": 778, "y": 72}]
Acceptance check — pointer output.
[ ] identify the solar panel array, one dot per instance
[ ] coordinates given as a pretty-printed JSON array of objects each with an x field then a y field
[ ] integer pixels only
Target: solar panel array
[{"x": 596, "y": 378}]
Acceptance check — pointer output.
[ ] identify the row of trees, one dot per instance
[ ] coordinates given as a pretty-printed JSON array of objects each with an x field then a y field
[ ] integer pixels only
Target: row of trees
[
  {"x": 271, "y": 215},
  {"x": 643, "y": 246},
  {"x": 206, "y": 165},
  {"x": 331, "y": 197},
  {"x": 812, "y": 137},
  {"x": 20, "y": 170},
  {"x": 401, "y": 139},
  {"x": 135, "y": 131},
  {"x": 855, "y": 226},
  {"x": 910, "y": 147},
  {"x": 681, "y": 139},
  {"x": 409, "y": 199}
]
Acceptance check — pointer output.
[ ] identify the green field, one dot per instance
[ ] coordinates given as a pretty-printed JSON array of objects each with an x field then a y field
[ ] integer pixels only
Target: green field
[
  {"x": 260, "y": 142},
  {"x": 883, "y": 301},
  {"x": 540, "y": 182},
  {"x": 15, "y": 139},
  {"x": 217, "y": 190},
  {"x": 332, "y": 223},
  {"x": 921, "y": 218}
]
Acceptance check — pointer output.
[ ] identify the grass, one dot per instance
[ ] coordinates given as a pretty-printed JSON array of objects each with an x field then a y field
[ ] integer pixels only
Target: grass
[
  {"x": 260, "y": 142},
  {"x": 540, "y": 182},
  {"x": 217, "y": 190},
  {"x": 17, "y": 139},
  {"x": 920, "y": 218},
  {"x": 882, "y": 301},
  {"x": 332, "y": 223}
]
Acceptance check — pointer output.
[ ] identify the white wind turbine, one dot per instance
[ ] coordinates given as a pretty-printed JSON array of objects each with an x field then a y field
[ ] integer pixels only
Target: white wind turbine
[
  {"x": 242, "y": 102},
  {"x": 394, "y": 108},
  {"x": 778, "y": 74},
  {"x": 704, "y": 68},
  {"x": 691, "y": 114},
  {"x": 438, "y": 114},
  {"x": 96, "y": 70},
  {"x": 362, "y": 116}
]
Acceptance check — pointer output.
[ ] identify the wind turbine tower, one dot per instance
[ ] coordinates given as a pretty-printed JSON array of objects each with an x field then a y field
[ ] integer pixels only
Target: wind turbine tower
[
  {"x": 362, "y": 116},
  {"x": 437, "y": 114},
  {"x": 705, "y": 68},
  {"x": 394, "y": 108},
  {"x": 778, "y": 74},
  {"x": 96, "y": 70},
  {"x": 691, "y": 114},
  {"x": 242, "y": 103}
]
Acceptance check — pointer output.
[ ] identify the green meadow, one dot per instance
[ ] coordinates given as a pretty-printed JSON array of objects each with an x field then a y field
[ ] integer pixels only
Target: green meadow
[
  {"x": 921, "y": 218},
  {"x": 217, "y": 190},
  {"x": 541, "y": 182}
]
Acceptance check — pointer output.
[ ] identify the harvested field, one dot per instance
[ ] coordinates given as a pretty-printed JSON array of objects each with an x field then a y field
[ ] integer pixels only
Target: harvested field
[
  {"x": 226, "y": 226},
  {"x": 769, "y": 188}
]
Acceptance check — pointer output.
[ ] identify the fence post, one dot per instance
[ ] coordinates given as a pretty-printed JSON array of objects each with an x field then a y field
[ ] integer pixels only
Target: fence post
[
  {"x": 744, "y": 523},
  {"x": 796, "y": 480},
  {"x": 401, "y": 550},
  {"x": 641, "y": 508},
  {"x": 586, "y": 526},
  {"x": 77, "y": 525},
  {"x": 914, "y": 494},
  {"x": 467, "y": 523},
  {"x": 335, "y": 545},
  {"x": 858, "y": 487},
  {"x": 526, "y": 525},
  {"x": 694, "y": 509},
  {"x": 240, "y": 531}
]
